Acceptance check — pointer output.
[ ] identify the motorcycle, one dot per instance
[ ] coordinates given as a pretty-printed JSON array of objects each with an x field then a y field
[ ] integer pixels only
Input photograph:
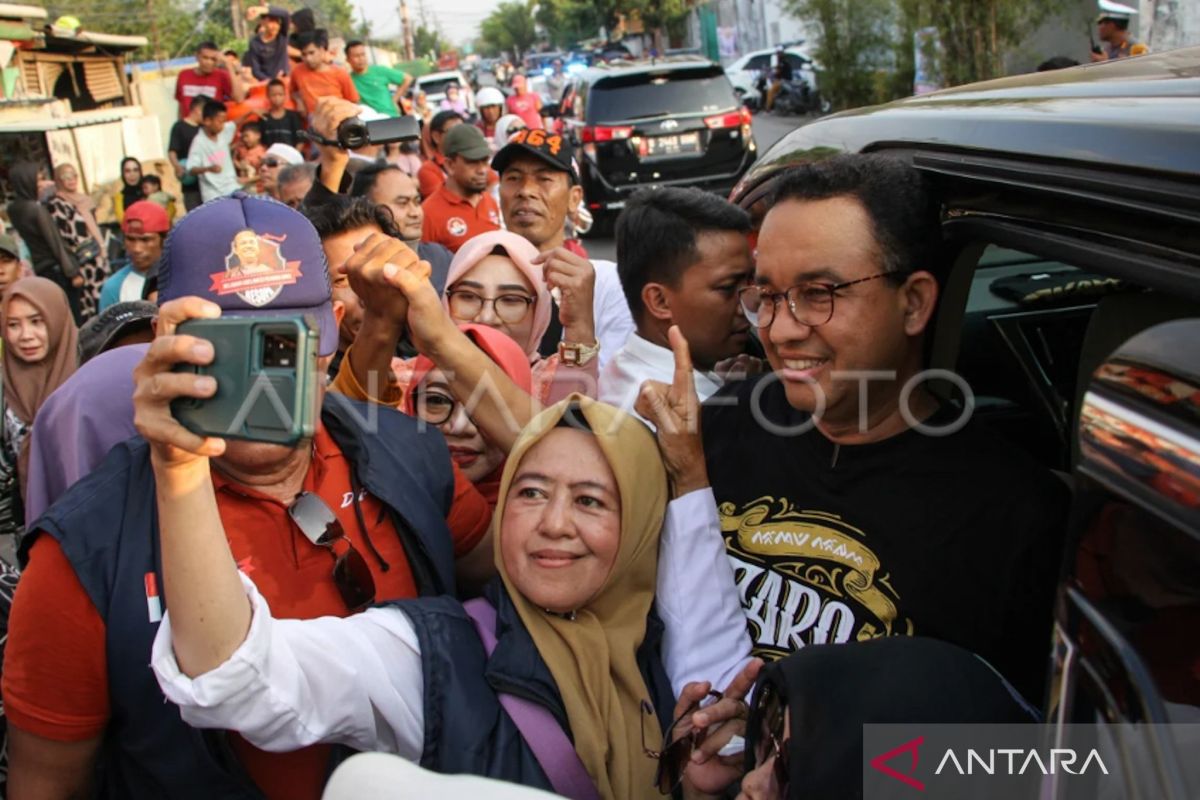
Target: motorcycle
[{"x": 798, "y": 97}]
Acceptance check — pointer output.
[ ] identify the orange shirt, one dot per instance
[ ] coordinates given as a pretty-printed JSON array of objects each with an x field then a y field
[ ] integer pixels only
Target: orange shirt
[
  {"x": 55, "y": 680},
  {"x": 431, "y": 176},
  {"x": 450, "y": 219},
  {"x": 311, "y": 84}
]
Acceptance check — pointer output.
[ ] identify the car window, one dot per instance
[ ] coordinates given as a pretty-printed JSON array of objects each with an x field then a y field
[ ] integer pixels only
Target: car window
[
  {"x": 645, "y": 95},
  {"x": 1019, "y": 347},
  {"x": 797, "y": 62},
  {"x": 438, "y": 85},
  {"x": 758, "y": 62}
]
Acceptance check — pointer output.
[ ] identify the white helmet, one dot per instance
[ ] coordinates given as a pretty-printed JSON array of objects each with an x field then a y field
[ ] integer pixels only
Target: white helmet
[{"x": 489, "y": 96}]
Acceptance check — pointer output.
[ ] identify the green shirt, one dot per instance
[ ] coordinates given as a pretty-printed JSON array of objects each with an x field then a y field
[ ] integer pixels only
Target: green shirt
[{"x": 374, "y": 88}]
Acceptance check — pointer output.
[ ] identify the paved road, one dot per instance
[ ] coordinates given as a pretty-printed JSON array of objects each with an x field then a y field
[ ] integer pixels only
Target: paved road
[{"x": 768, "y": 129}]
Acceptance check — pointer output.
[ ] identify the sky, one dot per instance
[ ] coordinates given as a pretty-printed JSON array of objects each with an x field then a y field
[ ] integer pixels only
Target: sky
[{"x": 459, "y": 19}]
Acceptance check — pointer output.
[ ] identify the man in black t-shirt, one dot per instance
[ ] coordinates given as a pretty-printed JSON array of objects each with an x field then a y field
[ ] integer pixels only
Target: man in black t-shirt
[
  {"x": 855, "y": 504},
  {"x": 178, "y": 144},
  {"x": 280, "y": 125}
]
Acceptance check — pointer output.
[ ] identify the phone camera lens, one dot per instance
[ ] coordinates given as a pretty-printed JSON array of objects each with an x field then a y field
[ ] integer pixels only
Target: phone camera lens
[{"x": 279, "y": 350}]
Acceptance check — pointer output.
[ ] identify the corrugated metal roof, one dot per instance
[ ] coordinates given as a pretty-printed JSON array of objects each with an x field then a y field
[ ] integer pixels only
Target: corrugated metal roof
[{"x": 78, "y": 119}]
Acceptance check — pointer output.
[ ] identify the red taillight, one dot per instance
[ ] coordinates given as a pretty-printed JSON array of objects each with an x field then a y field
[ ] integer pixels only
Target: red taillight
[
  {"x": 731, "y": 120},
  {"x": 724, "y": 121},
  {"x": 602, "y": 133}
]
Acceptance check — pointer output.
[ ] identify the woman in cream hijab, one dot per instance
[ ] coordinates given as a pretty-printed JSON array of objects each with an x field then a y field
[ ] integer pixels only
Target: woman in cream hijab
[{"x": 578, "y": 521}]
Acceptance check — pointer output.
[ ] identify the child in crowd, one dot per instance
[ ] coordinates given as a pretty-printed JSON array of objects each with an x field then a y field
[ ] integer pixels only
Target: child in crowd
[
  {"x": 249, "y": 150},
  {"x": 152, "y": 188},
  {"x": 315, "y": 77}
]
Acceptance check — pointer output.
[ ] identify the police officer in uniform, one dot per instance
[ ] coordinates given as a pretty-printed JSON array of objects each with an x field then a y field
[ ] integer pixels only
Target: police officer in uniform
[{"x": 1112, "y": 27}]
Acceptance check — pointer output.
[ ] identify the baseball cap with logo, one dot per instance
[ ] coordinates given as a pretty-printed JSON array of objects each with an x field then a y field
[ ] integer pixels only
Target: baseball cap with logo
[
  {"x": 466, "y": 141},
  {"x": 252, "y": 256},
  {"x": 555, "y": 150},
  {"x": 117, "y": 321},
  {"x": 9, "y": 245},
  {"x": 145, "y": 216}
]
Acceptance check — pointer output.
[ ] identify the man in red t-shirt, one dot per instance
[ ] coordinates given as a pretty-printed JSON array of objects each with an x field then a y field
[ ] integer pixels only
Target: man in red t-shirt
[
  {"x": 69, "y": 663},
  {"x": 314, "y": 77},
  {"x": 432, "y": 173},
  {"x": 525, "y": 104},
  {"x": 463, "y": 207},
  {"x": 209, "y": 78}
]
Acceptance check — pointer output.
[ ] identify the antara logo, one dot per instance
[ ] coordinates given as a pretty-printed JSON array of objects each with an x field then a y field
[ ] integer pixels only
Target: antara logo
[
  {"x": 1060, "y": 759},
  {"x": 1003, "y": 761}
]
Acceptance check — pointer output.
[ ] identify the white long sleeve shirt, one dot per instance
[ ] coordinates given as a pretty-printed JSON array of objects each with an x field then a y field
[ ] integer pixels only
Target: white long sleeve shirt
[{"x": 358, "y": 681}]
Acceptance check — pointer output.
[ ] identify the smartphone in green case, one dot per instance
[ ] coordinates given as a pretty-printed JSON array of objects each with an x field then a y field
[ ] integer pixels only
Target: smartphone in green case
[{"x": 266, "y": 372}]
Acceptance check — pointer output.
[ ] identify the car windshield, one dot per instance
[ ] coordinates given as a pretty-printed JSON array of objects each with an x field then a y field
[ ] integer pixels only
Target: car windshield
[
  {"x": 645, "y": 95},
  {"x": 438, "y": 85}
]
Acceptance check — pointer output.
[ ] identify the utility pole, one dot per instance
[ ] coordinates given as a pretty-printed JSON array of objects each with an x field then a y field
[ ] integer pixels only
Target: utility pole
[
  {"x": 239, "y": 18},
  {"x": 406, "y": 32},
  {"x": 154, "y": 32}
]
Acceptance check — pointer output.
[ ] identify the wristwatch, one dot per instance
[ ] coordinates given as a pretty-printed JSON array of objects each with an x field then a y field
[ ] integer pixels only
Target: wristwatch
[{"x": 577, "y": 355}]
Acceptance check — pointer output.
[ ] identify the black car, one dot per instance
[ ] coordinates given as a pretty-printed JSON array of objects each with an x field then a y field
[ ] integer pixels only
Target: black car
[
  {"x": 1071, "y": 306},
  {"x": 661, "y": 123}
]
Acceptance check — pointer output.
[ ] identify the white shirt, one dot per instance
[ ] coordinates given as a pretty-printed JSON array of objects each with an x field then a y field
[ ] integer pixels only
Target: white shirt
[
  {"x": 205, "y": 153},
  {"x": 131, "y": 287},
  {"x": 613, "y": 321},
  {"x": 358, "y": 681},
  {"x": 641, "y": 360}
]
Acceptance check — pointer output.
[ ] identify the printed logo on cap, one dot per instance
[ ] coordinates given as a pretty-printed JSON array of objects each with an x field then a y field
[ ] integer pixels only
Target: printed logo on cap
[
  {"x": 457, "y": 226},
  {"x": 537, "y": 138},
  {"x": 255, "y": 269}
]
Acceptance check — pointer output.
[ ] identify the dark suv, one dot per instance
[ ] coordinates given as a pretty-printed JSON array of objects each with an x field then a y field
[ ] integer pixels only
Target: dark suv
[{"x": 662, "y": 123}]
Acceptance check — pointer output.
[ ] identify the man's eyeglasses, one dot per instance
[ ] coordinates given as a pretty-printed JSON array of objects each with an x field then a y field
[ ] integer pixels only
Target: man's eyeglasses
[
  {"x": 674, "y": 758},
  {"x": 321, "y": 526},
  {"x": 766, "y": 725},
  {"x": 435, "y": 408},
  {"x": 510, "y": 308},
  {"x": 810, "y": 303},
  {"x": 272, "y": 162}
]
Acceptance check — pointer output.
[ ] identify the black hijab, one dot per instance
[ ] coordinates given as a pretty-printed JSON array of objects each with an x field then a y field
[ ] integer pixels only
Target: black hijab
[
  {"x": 131, "y": 194},
  {"x": 831, "y": 691}
]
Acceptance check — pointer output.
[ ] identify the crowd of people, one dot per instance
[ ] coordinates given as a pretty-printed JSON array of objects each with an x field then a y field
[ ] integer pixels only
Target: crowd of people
[{"x": 566, "y": 523}]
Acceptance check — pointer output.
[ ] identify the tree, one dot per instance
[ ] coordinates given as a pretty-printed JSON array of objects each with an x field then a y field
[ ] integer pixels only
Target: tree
[
  {"x": 427, "y": 40},
  {"x": 510, "y": 27},
  {"x": 853, "y": 46},
  {"x": 975, "y": 36},
  {"x": 175, "y": 21},
  {"x": 567, "y": 22}
]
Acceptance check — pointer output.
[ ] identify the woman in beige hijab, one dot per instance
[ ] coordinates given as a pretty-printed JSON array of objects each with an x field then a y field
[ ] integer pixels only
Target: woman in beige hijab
[
  {"x": 577, "y": 528},
  {"x": 40, "y": 353}
]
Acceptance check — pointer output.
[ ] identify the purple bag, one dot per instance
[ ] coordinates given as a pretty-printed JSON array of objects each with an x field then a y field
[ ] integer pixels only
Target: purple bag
[{"x": 541, "y": 731}]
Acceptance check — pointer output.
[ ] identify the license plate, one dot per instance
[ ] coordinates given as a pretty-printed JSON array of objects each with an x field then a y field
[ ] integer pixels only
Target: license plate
[{"x": 680, "y": 144}]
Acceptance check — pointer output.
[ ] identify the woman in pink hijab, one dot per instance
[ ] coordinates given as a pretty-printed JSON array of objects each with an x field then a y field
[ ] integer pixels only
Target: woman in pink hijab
[{"x": 493, "y": 281}]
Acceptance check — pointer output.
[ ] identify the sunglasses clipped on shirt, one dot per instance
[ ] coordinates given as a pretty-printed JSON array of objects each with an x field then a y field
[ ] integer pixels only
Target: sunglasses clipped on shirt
[{"x": 321, "y": 526}]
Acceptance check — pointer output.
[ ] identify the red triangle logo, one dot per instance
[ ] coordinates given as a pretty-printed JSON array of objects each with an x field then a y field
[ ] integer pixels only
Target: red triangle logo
[{"x": 880, "y": 763}]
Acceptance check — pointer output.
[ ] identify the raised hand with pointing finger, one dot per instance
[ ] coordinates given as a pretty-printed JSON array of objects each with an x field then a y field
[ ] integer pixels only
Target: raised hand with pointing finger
[{"x": 674, "y": 410}]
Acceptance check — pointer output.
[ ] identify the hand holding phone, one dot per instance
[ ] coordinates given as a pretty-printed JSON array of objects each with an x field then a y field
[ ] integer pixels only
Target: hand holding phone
[
  {"x": 155, "y": 385},
  {"x": 265, "y": 369}
]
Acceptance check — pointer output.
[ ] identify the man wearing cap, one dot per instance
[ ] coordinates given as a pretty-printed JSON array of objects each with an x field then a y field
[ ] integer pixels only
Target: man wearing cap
[
  {"x": 1112, "y": 28},
  {"x": 10, "y": 262},
  {"x": 539, "y": 187},
  {"x": 77, "y": 687},
  {"x": 267, "y": 55},
  {"x": 118, "y": 325},
  {"x": 461, "y": 208},
  {"x": 145, "y": 227},
  {"x": 276, "y": 158}
]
